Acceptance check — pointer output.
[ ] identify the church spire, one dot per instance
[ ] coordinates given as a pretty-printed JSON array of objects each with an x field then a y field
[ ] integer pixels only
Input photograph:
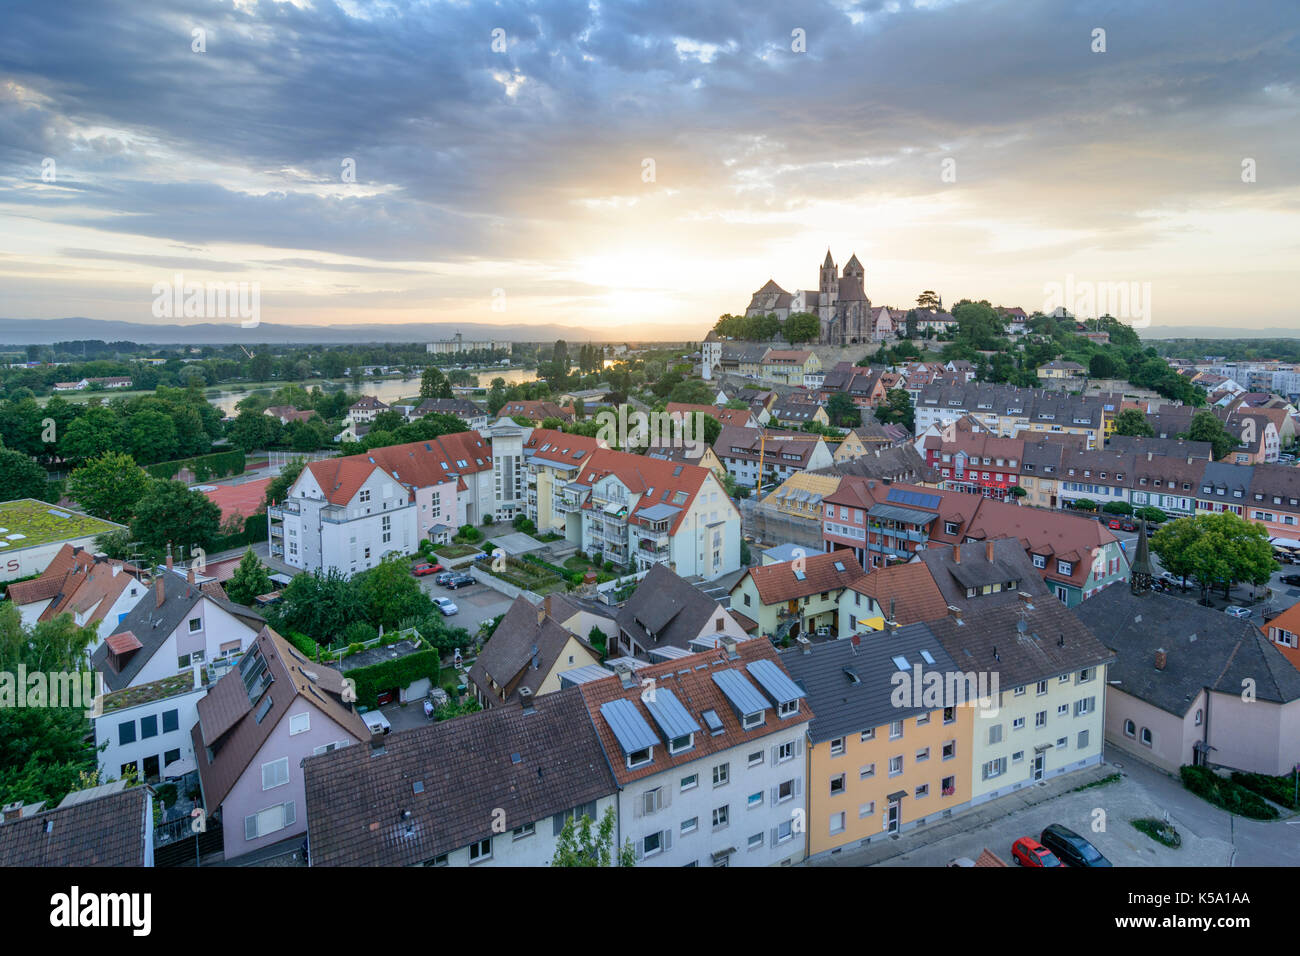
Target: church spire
[
  {"x": 829, "y": 263},
  {"x": 1139, "y": 578}
]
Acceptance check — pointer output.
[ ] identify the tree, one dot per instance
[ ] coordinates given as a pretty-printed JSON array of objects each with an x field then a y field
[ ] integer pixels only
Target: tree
[
  {"x": 390, "y": 594},
  {"x": 109, "y": 486},
  {"x": 1151, "y": 515},
  {"x": 321, "y": 606},
  {"x": 20, "y": 476},
  {"x": 692, "y": 391},
  {"x": 97, "y": 430},
  {"x": 1131, "y": 421},
  {"x": 1217, "y": 550},
  {"x": 171, "y": 513},
  {"x": 897, "y": 409},
  {"x": 842, "y": 411},
  {"x": 1207, "y": 427},
  {"x": 249, "y": 580},
  {"x": 151, "y": 437},
  {"x": 279, "y": 487},
  {"x": 1085, "y": 504},
  {"x": 1117, "y": 508},
  {"x": 1102, "y": 365},
  {"x": 496, "y": 396},
  {"x": 801, "y": 327},
  {"x": 433, "y": 384},
  {"x": 578, "y": 846},
  {"x": 929, "y": 300}
]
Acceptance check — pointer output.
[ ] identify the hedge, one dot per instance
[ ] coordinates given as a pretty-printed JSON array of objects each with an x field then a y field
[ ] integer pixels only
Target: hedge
[
  {"x": 553, "y": 568},
  {"x": 1225, "y": 794},
  {"x": 254, "y": 532},
  {"x": 399, "y": 672},
  {"x": 1278, "y": 789},
  {"x": 217, "y": 465},
  {"x": 302, "y": 642}
]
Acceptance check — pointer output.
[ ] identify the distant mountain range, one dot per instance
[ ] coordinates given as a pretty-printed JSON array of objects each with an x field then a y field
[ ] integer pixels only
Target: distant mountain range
[
  {"x": 1214, "y": 332},
  {"x": 48, "y": 331}
]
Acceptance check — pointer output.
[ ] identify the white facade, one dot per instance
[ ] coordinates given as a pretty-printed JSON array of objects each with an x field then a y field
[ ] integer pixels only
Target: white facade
[
  {"x": 672, "y": 817},
  {"x": 207, "y": 634},
  {"x": 148, "y": 736},
  {"x": 379, "y": 519},
  {"x": 529, "y": 844}
]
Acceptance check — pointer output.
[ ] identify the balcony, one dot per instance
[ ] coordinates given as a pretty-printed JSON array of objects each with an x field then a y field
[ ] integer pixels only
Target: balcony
[{"x": 277, "y": 512}]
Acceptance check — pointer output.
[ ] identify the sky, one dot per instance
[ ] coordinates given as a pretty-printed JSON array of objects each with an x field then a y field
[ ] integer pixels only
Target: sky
[{"x": 646, "y": 166}]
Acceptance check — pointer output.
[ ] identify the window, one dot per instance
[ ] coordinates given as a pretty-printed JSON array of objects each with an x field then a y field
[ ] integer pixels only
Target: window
[
  {"x": 785, "y": 752},
  {"x": 480, "y": 851},
  {"x": 1084, "y": 706},
  {"x": 721, "y": 774},
  {"x": 950, "y": 715},
  {"x": 1018, "y": 756},
  {"x": 678, "y": 744},
  {"x": 837, "y": 747},
  {"x": 754, "y": 800},
  {"x": 895, "y": 729},
  {"x": 523, "y": 832},
  {"x": 895, "y": 765},
  {"x": 270, "y": 820},
  {"x": 756, "y": 758},
  {"x": 1085, "y": 675},
  {"x": 1062, "y": 743},
  {"x": 922, "y": 791},
  {"x": 721, "y": 817},
  {"x": 652, "y": 844},
  {"x": 784, "y": 791},
  {"x": 171, "y": 756},
  {"x": 275, "y": 774},
  {"x": 690, "y": 783},
  {"x": 126, "y": 733},
  {"x": 995, "y": 734},
  {"x": 923, "y": 754},
  {"x": 691, "y": 825},
  {"x": 922, "y": 720},
  {"x": 1130, "y": 728},
  {"x": 1082, "y": 742},
  {"x": 838, "y": 822},
  {"x": 756, "y": 840},
  {"x": 639, "y": 758},
  {"x": 1146, "y": 736},
  {"x": 784, "y": 831},
  {"x": 1200, "y": 715},
  {"x": 148, "y": 726},
  {"x": 1040, "y": 719},
  {"x": 1018, "y": 724},
  {"x": 1040, "y": 561},
  {"x": 867, "y": 735},
  {"x": 300, "y": 723},
  {"x": 788, "y": 708},
  {"x": 196, "y": 624},
  {"x": 1041, "y": 688},
  {"x": 652, "y": 800},
  {"x": 837, "y": 785},
  {"x": 750, "y": 721},
  {"x": 994, "y": 768},
  {"x": 171, "y": 720}
]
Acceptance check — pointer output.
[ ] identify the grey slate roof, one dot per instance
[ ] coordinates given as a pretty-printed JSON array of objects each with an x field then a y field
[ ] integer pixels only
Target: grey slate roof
[
  {"x": 1225, "y": 651},
  {"x": 152, "y": 624},
  {"x": 1010, "y": 563},
  {"x": 667, "y": 607},
  {"x": 507, "y": 657},
  {"x": 1054, "y": 642},
  {"x": 850, "y": 688},
  {"x": 357, "y": 803}
]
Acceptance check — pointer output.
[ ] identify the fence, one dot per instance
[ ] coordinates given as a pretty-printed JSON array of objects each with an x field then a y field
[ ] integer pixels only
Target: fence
[{"x": 277, "y": 460}]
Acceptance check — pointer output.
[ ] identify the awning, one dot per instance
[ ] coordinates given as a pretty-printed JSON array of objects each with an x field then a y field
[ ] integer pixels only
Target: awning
[
  {"x": 872, "y": 623},
  {"x": 1042, "y": 747},
  {"x": 721, "y": 853},
  {"x": 896, "y": 795},
  {"x": 179, "y": 768}
]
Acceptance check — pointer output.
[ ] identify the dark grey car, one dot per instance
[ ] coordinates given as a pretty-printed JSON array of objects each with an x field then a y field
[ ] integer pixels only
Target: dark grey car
[{"x": 1072, "y": 849}]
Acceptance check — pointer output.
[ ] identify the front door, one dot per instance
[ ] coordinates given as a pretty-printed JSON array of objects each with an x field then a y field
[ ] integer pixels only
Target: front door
[
  {"x": 892, "y": 817},
  {"x": 1040, "y": 761}
]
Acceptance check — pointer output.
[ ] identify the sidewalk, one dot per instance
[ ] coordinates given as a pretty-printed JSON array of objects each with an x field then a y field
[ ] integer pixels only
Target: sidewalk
[{"x": 985, "y": 813}]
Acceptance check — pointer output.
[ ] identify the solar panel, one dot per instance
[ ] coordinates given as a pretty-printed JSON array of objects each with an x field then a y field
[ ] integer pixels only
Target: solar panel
[
  {"x": 673, "y": 719},
  {"x": 915, "y": 498},
  {"x": 629, "y": 726},
  {"x": 743, "y": 695},
  {"x": 775, "y": 681}
]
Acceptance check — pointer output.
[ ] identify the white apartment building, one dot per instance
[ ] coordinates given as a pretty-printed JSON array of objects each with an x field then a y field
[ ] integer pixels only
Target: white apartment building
[{"x": 709, "y": 758}]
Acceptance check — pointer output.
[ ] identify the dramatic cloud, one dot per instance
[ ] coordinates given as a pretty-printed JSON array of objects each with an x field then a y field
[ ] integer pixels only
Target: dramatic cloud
[{"x": 645, "y": 164}]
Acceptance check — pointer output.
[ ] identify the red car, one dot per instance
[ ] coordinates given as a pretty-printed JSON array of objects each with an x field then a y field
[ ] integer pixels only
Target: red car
[
  {"x": 1114, "y": 524},
  {"x": 420, "y": 570},
  {"x": 1029, "y": 852}
]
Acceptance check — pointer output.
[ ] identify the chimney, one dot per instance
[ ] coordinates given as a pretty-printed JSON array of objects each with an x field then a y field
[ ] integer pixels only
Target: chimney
[
  {"x": 189, "y": 575},
  {"x": 162, "y": 592},
  {"x": 729, "y": 644},
  {"x": 198, "y": 676},
  {"x": 13, "y": 811},
  {"x": 988, "y": 551},
  {"x": 625, "y": 675},
  {"x": 1025, "y": 599},
  {"x": 541, "y": 613},
  {"x": 169, "y": 555},
  {"x": 806, "y": 645},
  {"x": 526, "y": 700},
  {"x": 1148, "y": 456},
  {"x": 1161, "y": 658},
  {"x": 954, "y": 612},
  {"x": 117, "y": 568},
  {"x": 956, "y": 554}
]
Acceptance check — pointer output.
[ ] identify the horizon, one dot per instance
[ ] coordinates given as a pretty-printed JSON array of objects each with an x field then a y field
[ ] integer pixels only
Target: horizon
[{"x": 609, "y": 167}]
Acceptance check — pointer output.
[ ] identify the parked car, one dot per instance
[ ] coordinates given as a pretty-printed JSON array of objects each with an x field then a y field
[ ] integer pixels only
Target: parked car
[
  {"x": 1292, "y": 579},
  {"x": 961, "y": 861},
  {"x": 420, "y": 570},
  {"x": 1029, "y": 852},
  {"x": 1072, "y": 849},
  {"x": 1236, "y": 611},
  {"x": 1127, "y": 526},
  {"x": 1170, "y": 578},
  {"x": 446, "y": 606},
  {"x": 460, "y": 581},
  {"x": 444, "y": 577},
  {"x": 1113, "y": 524}
]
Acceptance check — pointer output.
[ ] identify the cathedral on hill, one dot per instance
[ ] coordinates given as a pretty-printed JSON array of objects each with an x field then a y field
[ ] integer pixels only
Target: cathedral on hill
[{"x": 840, "y": 302}]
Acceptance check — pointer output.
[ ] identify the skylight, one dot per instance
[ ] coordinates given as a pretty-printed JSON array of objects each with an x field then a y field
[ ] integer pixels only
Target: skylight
[{"x": 901, "y": 663}]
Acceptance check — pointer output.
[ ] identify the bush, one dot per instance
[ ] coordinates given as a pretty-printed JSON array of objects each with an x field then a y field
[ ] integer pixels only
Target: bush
[
  {"x": 1280, "y": 790},
  {"x": 167, "y": 794},
  {"x": 302, "y": 642},
  {"x": 1117, "y": 508},
  {"x": 358, "y": 633},
  {"x": 1085, "y": 504},
  {"x": 488, "y": 521},
  {"x": 399, "y": 672},
  {"x": 1159, "y": 831},
  {"x": 468, "y": 533},
  {"x": 1225, "y": 794}
]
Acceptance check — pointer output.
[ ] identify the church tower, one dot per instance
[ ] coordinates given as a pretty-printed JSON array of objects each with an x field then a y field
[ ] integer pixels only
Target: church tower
[
  {"x": 853, "y": 268},
  {"x": 829, "y": 287}
]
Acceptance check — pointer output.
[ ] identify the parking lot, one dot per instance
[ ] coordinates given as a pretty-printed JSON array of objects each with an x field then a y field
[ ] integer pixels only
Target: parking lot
[{"x": 476, "y": 603}]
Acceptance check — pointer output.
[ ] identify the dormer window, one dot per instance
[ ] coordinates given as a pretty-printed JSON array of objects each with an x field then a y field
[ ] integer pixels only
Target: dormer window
[
  {"x": 1065, "y": 567},
  {"x": 678, "y": 744},
  {"x": 750, "y": 721},
  {"x": 639, "y": 758},
  {"x": 788, "y": 709}
]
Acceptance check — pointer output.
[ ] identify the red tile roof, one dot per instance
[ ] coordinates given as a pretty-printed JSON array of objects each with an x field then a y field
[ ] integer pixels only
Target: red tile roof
[{"x": 779, "y": 582}]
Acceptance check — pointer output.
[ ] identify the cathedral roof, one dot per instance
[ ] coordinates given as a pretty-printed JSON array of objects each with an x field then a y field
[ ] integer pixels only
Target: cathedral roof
[
  {"x": 853, "y": 263},
  {"x": 771, "y": 286},
  {"x": 851, "y": 290},
  {"x": 829, "y": 263}
]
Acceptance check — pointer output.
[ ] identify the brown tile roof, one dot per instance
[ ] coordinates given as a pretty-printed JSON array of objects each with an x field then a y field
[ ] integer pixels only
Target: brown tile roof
[
  {"x": 123, "y": 642},
  {"x": 738, "y": 417},
  {"x": 508, "y": 655},
  {"x": 50, "y": 584},
  {"x": 908, "y": 588},
  {"x": 778, "y": 582},
  {"x": 227, "y": 722},
  {"x": 108, "y": 831},
  {"x": 364, "y": 809},
  {"x": 690, "y": 679}
]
